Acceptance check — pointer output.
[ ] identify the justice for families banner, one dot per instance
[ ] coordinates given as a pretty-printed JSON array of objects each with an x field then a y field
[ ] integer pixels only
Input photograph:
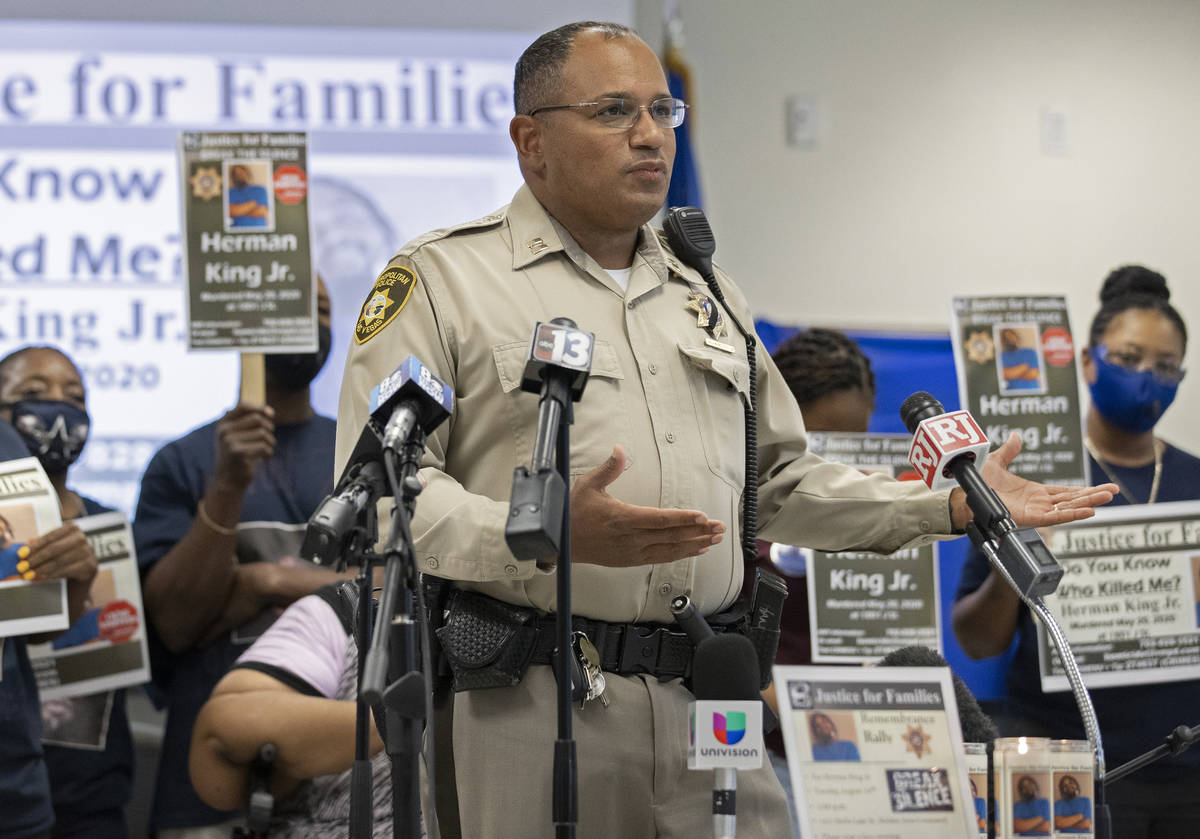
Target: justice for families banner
[
  {"x": 1017, "y": 371},
  {"x": 408, "y": 132},
  {"x": 106, "y": 647},
  {"x": 246, "y": 241},
  {"x": 863, "y": 606},
  {"x": 875, "y": 753},
  {"x": 1129, "y": 599},
  {"x": 28, "y": 508}
]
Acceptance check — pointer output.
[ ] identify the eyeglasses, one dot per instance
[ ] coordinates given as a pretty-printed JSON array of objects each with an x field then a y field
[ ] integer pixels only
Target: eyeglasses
[
  {"x": 615, "y": 112},
  {"x": 1166, "y": 372}
]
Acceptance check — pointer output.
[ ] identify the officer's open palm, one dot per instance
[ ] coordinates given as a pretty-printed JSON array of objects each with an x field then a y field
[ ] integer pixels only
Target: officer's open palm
[{"x": 605, "y": 531}]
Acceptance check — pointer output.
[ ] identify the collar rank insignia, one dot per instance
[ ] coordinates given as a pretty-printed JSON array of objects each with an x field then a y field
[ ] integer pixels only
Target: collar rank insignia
[{"x": 708, "y": 316}]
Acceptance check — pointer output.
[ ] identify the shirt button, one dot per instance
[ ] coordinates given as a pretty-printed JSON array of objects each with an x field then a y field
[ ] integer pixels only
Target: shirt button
[
  {"x": 431, "y": 562},
  {"x": 665, "y": 588},
  {"x": 510, "y": 570},
  {"x": 653, "y": 369},
  {"x": 926, "y": 527},
  {"x": 629, "y": 305},
  {"x": 670, "y": 436}
]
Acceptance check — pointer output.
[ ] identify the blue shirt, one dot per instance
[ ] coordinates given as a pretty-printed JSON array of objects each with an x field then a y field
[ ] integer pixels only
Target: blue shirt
[
  {"x": 1038, "y": 808},
  {"x": 837, "y": 750},
  {"x": 1016, "y": 358},
  {"x": 285, "y": 491},
  {"x": 1078, "y": 806},
  {"x": 1132, "y": 719},
  {"x": 240, "y": 195}
]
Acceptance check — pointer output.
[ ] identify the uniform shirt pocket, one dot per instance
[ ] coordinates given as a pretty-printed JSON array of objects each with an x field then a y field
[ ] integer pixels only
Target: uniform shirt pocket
[
  {"x": 720, "y": 385},
  {"x": 600, "y": 416}
]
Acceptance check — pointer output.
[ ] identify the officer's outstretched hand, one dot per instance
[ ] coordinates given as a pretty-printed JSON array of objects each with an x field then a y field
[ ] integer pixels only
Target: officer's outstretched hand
[
  {"x": 605, "y": 531},
  {"x": 1030, "y": 503}
]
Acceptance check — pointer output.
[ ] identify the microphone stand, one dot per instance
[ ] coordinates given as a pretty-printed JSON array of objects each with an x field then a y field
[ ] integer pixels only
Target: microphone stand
[
  {"x": 1174, "y": 743},
  {"x": 988, "y": 544},
  {"x": 566, "y": 800},
  {"x": 389, "y": 677}
]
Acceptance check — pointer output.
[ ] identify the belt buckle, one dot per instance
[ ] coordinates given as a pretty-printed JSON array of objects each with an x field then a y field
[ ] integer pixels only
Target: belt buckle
[{"x": 639, "y": 652}]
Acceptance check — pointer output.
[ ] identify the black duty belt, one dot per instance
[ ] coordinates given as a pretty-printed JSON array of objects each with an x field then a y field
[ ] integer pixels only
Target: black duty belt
[{"x": 660, "y": 650}]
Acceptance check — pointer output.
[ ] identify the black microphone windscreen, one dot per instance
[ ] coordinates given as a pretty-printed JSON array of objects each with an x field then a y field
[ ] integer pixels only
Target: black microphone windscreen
[
  {"x": 920, "y": 406},
  {"x": 977, "y": 727},
  {"x": 725, "y": 667}
]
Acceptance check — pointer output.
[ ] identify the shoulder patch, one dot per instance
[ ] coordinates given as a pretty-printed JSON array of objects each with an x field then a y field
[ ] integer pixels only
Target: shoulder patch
[{"x": 388, "y": 296}]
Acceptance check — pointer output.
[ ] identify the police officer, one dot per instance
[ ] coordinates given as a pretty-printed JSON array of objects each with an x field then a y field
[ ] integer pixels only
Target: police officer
[{"x": 656, "y": 446}]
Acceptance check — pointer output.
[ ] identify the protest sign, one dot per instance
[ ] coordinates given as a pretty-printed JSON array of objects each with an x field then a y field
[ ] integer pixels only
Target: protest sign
[
  {"x": 862, "y": 605},
  {"x": 246, "y": 241},
  {"x": 1129, "y": 599},
  {"x": 28, "y": 508},
  {"x": 1017, "y": 371},
  {"x": 875, "y": 753},
  {"x": 106, "y": 647}
]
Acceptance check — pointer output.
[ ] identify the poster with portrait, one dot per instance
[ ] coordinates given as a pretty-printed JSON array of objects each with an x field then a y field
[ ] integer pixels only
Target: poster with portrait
[
  {"x": 1129, "y": 599},
  {"x": 861, "y": 605},
  {"x": 1017, "y": 371},
  {"x": 28, "y": 508},
  {"x": 246, "y": 242},
  {"x": 105, "y": 648},
  {"x": 875, "y": 752}
]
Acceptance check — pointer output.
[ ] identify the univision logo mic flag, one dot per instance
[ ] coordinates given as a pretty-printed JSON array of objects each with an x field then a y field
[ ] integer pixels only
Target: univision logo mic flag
[
  {"x": 684, "y": 190},
  {"x": 725, "y": 734}
]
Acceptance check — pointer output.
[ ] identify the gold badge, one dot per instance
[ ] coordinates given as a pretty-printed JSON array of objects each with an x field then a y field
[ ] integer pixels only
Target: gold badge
[
  {"x": 917, "y": 740},
  {"x": 206, "y": 183},
  {"x": 980, "y": 347},
  {"x": 388, "y": 296},
  {"x": 708, "y": 316}
]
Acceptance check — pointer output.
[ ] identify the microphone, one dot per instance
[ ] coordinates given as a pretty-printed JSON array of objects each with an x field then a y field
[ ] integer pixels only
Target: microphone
[
  {"x": 944, "y": 450},
  {"x": 726, "y": 719},
  {"x": 977, "y": 727},
  {"x": 560, "y": 358},
  {"x": 410, "y": 397},
  {"x": 362, "y": 483}
]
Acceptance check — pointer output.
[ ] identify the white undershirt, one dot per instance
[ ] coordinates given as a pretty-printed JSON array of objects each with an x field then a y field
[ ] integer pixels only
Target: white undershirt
[{"x": 621, "y": 275}]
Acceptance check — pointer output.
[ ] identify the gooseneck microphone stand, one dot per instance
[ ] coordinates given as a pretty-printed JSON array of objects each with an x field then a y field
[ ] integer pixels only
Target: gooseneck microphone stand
[{"x": 988, "y": 545}]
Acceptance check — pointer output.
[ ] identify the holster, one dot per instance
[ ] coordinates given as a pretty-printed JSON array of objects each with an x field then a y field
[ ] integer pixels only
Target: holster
[{"x": 486, "y": 642}]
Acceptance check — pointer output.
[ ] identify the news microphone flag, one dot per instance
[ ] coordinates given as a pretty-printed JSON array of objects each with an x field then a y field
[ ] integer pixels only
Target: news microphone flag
[
  {"x": 684, "y": 190},
  {"x": 940, "y": 439}
]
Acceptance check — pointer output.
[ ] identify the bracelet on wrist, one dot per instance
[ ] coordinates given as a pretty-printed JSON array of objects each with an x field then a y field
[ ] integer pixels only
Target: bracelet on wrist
[{"x": 212, "y": 525}]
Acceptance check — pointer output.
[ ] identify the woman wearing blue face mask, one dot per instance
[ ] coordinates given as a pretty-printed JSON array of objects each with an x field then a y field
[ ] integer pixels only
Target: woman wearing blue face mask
[
  {"x": 1133, "y": 366},
  {"x": 88, "y": 750}
]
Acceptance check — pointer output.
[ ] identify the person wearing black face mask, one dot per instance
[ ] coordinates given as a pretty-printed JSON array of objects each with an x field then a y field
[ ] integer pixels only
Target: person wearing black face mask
[
  {"x": 219, "y": 523},
  {"x": 42, "y": 394},
  {"x": 1133, "y": 366}
]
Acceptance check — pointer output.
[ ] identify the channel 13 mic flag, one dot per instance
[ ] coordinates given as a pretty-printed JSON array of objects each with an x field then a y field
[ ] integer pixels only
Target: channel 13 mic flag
[{"x": 684, "y": 190}]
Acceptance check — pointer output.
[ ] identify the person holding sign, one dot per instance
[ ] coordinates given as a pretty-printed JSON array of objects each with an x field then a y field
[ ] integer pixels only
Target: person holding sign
[
  {"x": 1133, "y": 366},
  {"x": 43, "y": 394},
  {"x": 658, "y": 446},
  {"x": 219, "y": 523}
]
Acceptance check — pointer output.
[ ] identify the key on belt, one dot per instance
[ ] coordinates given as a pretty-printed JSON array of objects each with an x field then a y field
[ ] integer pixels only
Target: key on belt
[{"x": 588, "y": 658}]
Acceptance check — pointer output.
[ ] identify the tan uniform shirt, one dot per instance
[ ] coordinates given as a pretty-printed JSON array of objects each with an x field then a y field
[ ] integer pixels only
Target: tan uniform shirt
[{"x": 673, "y": 401}]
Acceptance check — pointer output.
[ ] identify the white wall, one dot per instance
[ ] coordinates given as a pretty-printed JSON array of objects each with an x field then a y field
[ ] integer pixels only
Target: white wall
[{"x": 928, "y": 178}]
